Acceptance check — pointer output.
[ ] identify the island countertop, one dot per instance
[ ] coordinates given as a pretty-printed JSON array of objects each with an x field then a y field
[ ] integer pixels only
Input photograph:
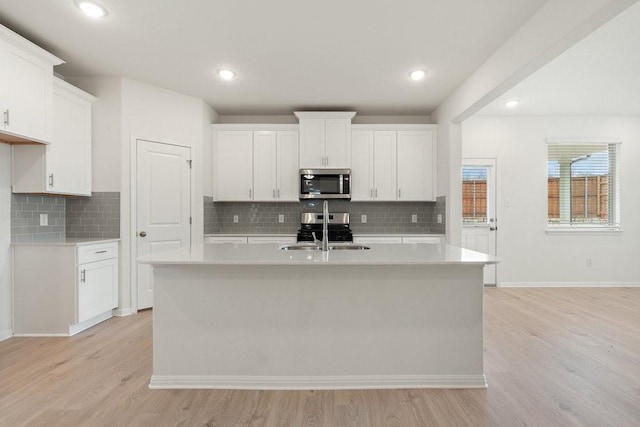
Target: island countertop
[{"x": 271, "y": 254}]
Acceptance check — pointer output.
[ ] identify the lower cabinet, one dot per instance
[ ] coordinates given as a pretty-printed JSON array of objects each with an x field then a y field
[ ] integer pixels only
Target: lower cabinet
[
  {"x": 399, "y": 239},
  {"x": 281, "y": 240},
  {"x": 74, "y": 287}
]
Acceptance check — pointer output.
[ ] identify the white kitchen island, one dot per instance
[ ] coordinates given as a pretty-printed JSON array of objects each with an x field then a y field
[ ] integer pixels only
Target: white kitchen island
[{"x": 256, "y": 317}]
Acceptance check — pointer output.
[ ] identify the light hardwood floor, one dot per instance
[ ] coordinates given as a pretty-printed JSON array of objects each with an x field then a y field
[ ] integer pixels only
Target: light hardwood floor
[{"x": 553, "y": 357}]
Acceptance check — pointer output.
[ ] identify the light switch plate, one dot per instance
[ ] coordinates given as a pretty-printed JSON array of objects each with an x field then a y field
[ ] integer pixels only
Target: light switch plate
[
  {"x": 235, "y": 219},
  {"x": 414, "y": 217},
  {"x": 44, "y": 219},
  {"x": 281, "y": 218},
  {"x": 439, "y": 219},
  {"x": 363, "y": 219}
]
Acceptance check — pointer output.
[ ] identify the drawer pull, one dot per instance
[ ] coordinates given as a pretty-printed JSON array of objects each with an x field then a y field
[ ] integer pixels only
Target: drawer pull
[
  {"x": 101, "y": 252},
  {"x": 83, "y": 276}
]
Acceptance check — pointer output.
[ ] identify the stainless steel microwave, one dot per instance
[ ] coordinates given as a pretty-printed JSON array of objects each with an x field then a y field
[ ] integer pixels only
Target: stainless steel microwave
[{"x": 325, "y": 184}]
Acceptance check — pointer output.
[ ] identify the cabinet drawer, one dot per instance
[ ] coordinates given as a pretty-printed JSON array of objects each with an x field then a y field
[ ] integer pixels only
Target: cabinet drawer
[{"x": 97, "y": 252}]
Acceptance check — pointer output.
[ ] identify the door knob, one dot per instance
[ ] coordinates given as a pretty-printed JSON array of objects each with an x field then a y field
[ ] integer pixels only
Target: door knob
[
  {"x": 493, "y": 226},
  {"x": 143, "y": 234}
]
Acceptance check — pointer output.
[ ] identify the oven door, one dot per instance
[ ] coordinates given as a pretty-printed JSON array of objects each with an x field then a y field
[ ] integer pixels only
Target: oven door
[{"x": 325, "y": 184}]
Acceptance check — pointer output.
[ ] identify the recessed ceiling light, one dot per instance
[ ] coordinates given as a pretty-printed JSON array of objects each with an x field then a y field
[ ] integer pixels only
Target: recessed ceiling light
[
  {"x": 91, "y": 9},
  {"x": 417, "y": 74},
  {"x": 513, "y": 103},
  {"x": 226, "y": 74}
]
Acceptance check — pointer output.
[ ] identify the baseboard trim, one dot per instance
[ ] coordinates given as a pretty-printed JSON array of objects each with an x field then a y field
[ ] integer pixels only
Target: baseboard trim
[
  {"x": 5, "y": 335},
  {"x": 79, "y": 327},
  {"x": 316, "y": 383},
  {"x": 569, "y": 285},
  {"x": 121, "y": 312},
  {"x": 40, "y": 335}
]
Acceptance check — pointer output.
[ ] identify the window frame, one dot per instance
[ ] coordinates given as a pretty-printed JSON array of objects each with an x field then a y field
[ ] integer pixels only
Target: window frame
[{"x": 614, "y": 226}]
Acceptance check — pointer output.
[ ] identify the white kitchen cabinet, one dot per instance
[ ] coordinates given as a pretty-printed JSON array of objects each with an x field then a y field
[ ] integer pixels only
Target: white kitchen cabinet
[
  {"x": 74, "y": 287},
  {"x": 64, "y": 166},
  {"x": 398, "y": 239},
  {"x": 275, "y": 166},
  {"x": 365, "y": 240},
  {"x": 255, "y": 163},
  {"x": 280, "y": 240},
  {"x": 373, "y": 168},
  {"x": 251, "y": 239},
  {"x": 416, "y": 165},
  {"x": 26, "y": 89},
  {"x": 233, "y": 165},
  {"x": 393, "y": 162},
  {"x": 325, "y": 139}
]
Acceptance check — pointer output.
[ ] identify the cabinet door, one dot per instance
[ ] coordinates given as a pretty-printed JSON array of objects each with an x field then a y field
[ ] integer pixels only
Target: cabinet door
[
  {"x": 68, "y": 158},
  {"x": 384, "y": 165},
  {"x": 288, "y": 179},
  {"x": 415, "y": 165},
  {"x": 362, "y": 165},
  {"x": 264, "y": 166},
  {"x": 312, "y": 135},
  {"x": 26, "y": 93},
  {"x": 233, "y": 162},
  {"x": 97, "y": 288},
  {"x": 338, "y": 143}
]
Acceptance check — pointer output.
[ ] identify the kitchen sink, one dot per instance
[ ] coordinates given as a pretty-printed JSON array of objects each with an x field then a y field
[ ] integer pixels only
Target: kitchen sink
[
  {"x": 318, "y": 248},
  {"x": 348, "y": 247},
  {"x": 300, "y": 248}
]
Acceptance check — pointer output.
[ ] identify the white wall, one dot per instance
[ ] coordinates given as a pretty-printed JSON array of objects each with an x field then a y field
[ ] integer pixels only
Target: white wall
[
  {"x": 6, "y": 323},
  {"x": 157, "y": 114},
  {"x": 530, "y": 257},
  {"x": 106, "y": 126},
  {"x": 558, "y": 25}
]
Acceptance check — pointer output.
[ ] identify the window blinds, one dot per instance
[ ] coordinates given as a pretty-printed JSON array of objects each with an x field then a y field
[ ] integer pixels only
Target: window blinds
[{"x": 582, "y": 184}]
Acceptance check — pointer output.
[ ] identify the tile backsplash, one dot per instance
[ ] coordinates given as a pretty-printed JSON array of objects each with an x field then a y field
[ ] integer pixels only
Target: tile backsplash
[
  {"x": 382, "y": 217},
  {"x": 25, "y": 218},
  {"x": 73, "y": 217},
  {"x": 97, "y": 216}
]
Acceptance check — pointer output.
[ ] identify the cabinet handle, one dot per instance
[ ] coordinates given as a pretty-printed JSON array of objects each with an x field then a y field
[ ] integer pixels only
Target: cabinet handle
[
  {"x": 371, "y": 193},
  {"x": 50, "y": 180},
  {"x": 83, "y": 276},
  {"x": 101, "y": 252},
  {"x": 250, "y": 194},
  {"x": 6, "y": 117},
  {"x": 327, "y": 162},
  {"x": 376, "y": 193},
  {"x": 399, "y": 193},
  {"x": 278, "y": 193}
]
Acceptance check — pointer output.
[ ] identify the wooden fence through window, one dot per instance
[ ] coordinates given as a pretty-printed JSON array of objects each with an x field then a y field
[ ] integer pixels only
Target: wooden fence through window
[{"x": 589, "y": 199}]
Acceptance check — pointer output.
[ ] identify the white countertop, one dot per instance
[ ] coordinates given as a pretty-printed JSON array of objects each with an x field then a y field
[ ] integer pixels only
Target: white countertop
[
  {"x": 270, "y": 254},
  {"x": 66, "y": 242}
]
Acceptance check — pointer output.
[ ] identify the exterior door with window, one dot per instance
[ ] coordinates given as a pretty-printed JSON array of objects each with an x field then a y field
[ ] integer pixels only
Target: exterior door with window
[{"x": 479, "y": 223}]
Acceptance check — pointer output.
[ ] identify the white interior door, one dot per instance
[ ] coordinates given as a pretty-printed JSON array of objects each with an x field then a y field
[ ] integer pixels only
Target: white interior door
[
  {"x": 479, "y": 222},
  {"x": 163, "y": 191}
]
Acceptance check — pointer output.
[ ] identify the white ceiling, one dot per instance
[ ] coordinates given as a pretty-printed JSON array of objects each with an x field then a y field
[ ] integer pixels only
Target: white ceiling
[
  {"x": 600, "y": 75},
  {"x": 289, "y": 54}
]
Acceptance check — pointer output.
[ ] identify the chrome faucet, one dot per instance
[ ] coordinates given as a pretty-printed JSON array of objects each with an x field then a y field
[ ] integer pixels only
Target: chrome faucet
[{"x": 325, "y": 226}]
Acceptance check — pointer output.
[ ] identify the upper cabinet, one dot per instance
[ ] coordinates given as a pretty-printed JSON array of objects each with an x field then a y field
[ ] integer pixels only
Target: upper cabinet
[
  {"x": 64, "y": 166},
  {"x": 393, "y": 163},
  {"x": 325, "y": 139},
  {"x": 255, "y": 162},
  {"x": 26, "y": 90}
]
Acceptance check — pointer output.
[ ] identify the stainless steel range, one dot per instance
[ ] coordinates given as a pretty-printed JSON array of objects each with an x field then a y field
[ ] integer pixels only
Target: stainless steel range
[{"x": 311, "y": 224}]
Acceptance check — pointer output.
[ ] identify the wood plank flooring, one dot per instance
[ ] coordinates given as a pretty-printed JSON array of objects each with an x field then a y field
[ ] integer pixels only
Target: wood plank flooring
[{"x": 553, "y": 357}]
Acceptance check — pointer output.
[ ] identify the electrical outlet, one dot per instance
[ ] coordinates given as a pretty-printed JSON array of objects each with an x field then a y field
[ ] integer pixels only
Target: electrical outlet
[
  {"x": 414, "y": 217},
  {"x": 236, "y": 219},
  {"x": 44, "y": 219},
  {"x": 439, "y": 219},
  {"x": 281, "y": 218},
  {"x": 363, "y": 219},
  {"x": 589, "y": 262}
]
